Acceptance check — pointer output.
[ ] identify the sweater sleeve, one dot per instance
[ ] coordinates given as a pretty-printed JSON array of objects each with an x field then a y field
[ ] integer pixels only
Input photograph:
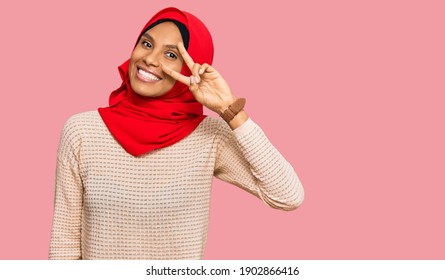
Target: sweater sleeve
[
  {"x": 66, "y": 231},
  {"x": 247, "y": 159}
]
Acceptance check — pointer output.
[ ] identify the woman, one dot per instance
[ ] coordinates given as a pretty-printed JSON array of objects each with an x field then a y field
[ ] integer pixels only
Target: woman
[{"x": 134, "y": 179}]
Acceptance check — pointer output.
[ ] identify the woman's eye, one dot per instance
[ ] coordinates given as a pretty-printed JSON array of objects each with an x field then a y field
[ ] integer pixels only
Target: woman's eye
[
  {"x": 146, "y": 44},
  {"x": 171, "y": 55}
]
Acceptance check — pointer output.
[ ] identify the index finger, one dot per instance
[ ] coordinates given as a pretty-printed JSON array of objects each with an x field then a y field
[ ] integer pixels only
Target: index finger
[
  {"x": 185, "y": 55},
  {"x": 176, "y": 75}
]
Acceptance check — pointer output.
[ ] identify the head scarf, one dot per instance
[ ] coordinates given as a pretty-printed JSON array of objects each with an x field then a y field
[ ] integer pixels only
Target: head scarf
[{"x": 141, "y": 124}]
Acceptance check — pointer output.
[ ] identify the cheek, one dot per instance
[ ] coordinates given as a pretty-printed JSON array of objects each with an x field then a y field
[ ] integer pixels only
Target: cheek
[
  {"x": 135, "y": 56},
  {"x": 170, "y": 82},
  {"x": 132, "y": 64},
  {"x": 130, "y": 67},
  {"x": 178, "y": 66}
]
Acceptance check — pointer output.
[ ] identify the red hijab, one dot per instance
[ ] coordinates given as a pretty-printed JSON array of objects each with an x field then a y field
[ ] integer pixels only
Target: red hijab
[{"x": 141, "y": 124}]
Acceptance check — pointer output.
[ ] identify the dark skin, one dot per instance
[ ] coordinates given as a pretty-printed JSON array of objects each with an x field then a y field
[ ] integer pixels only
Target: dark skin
[{"x": 207, "y": 85}]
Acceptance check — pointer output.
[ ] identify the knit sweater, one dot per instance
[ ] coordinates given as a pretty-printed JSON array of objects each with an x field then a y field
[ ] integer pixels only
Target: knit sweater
[{"x": 112, "y": 205}]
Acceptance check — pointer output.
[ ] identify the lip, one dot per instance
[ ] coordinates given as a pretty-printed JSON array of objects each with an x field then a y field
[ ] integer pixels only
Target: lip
[{"x": 145, "y": 80}]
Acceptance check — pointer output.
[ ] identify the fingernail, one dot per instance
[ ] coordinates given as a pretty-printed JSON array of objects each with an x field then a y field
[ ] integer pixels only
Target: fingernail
[
  {"x": 198, "y": 80},
  {"x": 201, "y": 71}
]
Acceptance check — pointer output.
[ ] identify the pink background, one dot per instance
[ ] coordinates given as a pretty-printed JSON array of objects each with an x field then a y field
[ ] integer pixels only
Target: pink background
[{"x": 350, "y": 92}]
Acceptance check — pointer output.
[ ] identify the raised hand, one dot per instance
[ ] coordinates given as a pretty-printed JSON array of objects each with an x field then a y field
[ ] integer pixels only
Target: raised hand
[{"x": 207, "y": 85}]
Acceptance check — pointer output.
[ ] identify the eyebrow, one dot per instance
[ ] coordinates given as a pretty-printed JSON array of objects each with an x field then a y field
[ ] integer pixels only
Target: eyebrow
[{"x": 151, "y": 39}]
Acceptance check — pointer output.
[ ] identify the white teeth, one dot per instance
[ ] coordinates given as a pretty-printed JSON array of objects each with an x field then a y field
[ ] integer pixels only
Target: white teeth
[{"x": 147, "y": 75}]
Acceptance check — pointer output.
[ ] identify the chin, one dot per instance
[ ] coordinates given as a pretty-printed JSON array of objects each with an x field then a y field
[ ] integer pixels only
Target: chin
[
  {"x": 143, "y": 91},
  {"x": 147, "y": 94}
]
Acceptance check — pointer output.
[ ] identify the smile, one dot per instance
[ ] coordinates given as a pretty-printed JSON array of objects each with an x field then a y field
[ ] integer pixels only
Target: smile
[{"x": 147, "y": 76}]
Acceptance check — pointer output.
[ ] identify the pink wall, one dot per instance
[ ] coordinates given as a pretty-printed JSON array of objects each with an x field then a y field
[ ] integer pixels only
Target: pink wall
[{"x": 352, "y": 94}]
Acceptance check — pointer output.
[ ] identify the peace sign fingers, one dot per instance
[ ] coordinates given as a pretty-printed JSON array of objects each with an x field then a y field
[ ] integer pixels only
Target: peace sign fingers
[
  {"x": 207, "y": 86},
  {"x": 194, "y": 68}
]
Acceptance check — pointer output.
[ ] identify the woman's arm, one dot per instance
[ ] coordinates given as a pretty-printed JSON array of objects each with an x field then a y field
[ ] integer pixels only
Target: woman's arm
[
  {"x": 246, "y": 158},
  {"x": 66, "y": 231}
]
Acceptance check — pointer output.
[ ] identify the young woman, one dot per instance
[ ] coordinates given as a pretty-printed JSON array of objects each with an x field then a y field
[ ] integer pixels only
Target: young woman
[{"x": 134, "y": 179}]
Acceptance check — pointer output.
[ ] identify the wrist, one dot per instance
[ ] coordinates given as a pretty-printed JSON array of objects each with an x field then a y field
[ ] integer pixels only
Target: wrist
[
  {"x": 233, "y": 110},
  {"x": 238, "y": 120}
]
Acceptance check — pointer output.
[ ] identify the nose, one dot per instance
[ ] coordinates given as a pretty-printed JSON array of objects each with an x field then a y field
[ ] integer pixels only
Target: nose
[{"x": 152, "y": 58}]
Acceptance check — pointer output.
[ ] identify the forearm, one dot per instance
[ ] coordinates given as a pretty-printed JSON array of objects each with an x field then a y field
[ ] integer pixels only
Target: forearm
[
  {"x": 238, "y": 120},
  {"x": 251, "y": 162},
  {"x": 277, "y": 182}
]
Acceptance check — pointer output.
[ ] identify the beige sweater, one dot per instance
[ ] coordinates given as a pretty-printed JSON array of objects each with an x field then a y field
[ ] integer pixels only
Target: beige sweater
[{"x": 112, "y": 205}]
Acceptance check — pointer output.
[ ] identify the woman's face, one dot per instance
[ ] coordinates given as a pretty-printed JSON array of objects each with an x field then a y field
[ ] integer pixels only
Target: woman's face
[{"x": 156, "y": 46}]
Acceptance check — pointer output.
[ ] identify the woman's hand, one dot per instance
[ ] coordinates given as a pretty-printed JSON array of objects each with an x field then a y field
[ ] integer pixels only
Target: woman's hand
[{"x": 207, "y": 85}]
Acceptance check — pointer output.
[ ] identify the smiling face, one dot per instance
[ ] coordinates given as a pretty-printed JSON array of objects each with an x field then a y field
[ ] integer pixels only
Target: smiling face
[{"x": 157, "y": 46}]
